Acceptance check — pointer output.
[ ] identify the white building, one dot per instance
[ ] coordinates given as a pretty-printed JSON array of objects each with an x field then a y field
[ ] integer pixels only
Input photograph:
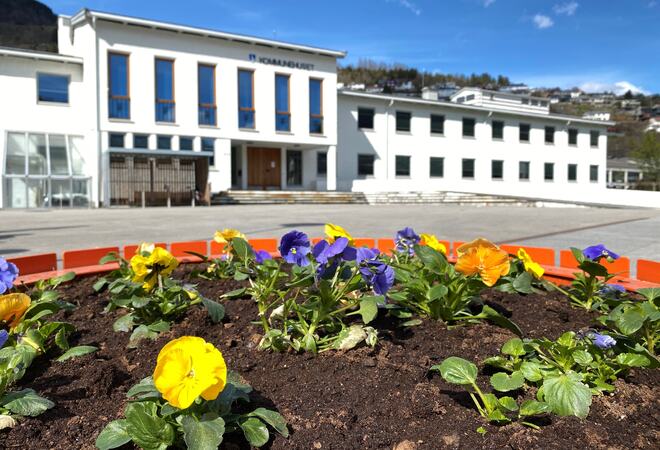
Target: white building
[{"x": 134, "y": 111}]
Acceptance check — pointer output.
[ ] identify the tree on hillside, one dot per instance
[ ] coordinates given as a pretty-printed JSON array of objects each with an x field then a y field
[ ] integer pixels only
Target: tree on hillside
[{"x": 647, "y": 154}]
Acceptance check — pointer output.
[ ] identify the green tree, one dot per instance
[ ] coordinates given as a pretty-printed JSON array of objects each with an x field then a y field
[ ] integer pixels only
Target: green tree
[{"x": 647, "y": 153}]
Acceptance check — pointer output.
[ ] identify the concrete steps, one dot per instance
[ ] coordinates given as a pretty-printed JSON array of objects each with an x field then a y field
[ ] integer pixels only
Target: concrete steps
[{"x": 324, "y": 197}]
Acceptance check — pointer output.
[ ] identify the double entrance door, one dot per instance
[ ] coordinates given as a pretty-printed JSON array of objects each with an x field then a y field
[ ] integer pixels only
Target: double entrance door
[{"x": 264, "y": 168}]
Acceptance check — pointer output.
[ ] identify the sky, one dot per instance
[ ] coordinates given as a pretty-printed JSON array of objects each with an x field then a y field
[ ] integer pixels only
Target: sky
[{"x": 596, "y": 45}]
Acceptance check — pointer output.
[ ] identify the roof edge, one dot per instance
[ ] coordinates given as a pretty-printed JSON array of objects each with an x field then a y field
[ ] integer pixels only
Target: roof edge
[{"x": 36, "y": 54}]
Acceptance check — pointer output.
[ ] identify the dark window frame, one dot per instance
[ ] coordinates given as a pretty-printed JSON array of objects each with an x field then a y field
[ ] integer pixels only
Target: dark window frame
[
  {"x": 551, "y": 174},
  {"x": 402, "y": 158},
  {"x": 524, "y": 129},
  {"x": 283, "y": 113},
  {"x": 463, "y": 169},
  {"x": 51, "y": 101},
  {"x": 246, "y": 109},
  {"x": 500, "y": 127},
  {"x": 527, "y": 165},
  {"x": 474, "y": 127},
  {"x": 441, "y": 119},
  {"x": 164, "y": 101},
  {"x": 573, "y": 132},
  {"x": 572, "y": 167},
  {"x": 316, "y": 116},
  {"x": 113, "y": 136},
  {"x": 372, "y": 117},
  {"x": 593, "y": 133},
  {"x": 163, "y": 136},
  {"x": 592, "y": 178},
  {"x": 186, "y": 139},
  {"x": 321, "y": 164},
  {"x": 549, "y": 132},
  {"x": 371, "y": 163},
  {"x": 400, "y": 117},
  {"x": 141, "y": 136},
  {"x": 493, "y": 163},
  {"x": 115, "y": 97},
  {"x": 441, "y": 161},
  {"x": 202, "y": 107}
]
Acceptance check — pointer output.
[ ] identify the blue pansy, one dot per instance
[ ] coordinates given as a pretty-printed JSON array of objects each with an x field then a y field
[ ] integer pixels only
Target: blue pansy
[
  {"x": 8, "y": 274},
  {"x": 596, "y": 252},
  {"x": 406, "y": 239},
  {"x": 330, "y": 255},
  {"x": 612, "y": 290},
  {"x": 261, "y": 255},
  {"x": 3, "y": 337},
  {"x": 374, "y": 272},
  {"x": 294, "y": 248},
  {"x": 603, "y": 341}
]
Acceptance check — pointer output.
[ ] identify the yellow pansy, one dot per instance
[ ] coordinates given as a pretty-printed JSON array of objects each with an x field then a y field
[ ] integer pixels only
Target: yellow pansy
[
  {"x": 484, "y": 258},
  {"x": 188, "y": 367},
  {"x": 146, "y": 268},
  {"x": 335, "y": 231},
  {"x": 531, "y": 266},
  {"x": 12, "y": 308},
  {"x": 146, "y": 247},
  {"x": 431, "y": 241},
  {"x": 225, "y": 236}
]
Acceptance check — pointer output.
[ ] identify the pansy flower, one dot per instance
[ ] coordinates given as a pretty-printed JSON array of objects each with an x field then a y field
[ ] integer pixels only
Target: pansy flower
[
  {"x": 374, "y": 272},
  {"x": 4, "y": 335},
  {"x": 613, "y": 290},
  {"x": 596, "y": 252},
  {"x": 531, "y": 266},
  {"x": 294, "y": 248},
  {"x": 189, "y": 367},
  {"x": 602, "y": 341},
  {"x": 261, "y": 255},
  {"x": 329, "y": 255},
  {"x": 12, "y": 308},
  {"x": 227, "y": 235},
  {"x": 334, "y": 232},
  {"x": 406, "y": 239},
  {"x": 482, "y": 257},
  {"x": 147, "y": 267},
  {"x": 8, "y": 274},
  {"x": 431, "y": 241}
]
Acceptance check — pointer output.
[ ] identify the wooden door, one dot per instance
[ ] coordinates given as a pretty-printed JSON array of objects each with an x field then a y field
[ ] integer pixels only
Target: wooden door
[{"x": 264, "y": 167}]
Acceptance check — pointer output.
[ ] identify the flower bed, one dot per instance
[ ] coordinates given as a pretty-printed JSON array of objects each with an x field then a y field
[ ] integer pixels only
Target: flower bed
[{"x": 341, "y": 388}]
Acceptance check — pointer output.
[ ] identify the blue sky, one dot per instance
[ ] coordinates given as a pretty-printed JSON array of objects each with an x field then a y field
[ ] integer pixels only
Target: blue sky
[{"x": 593, "y": 44}]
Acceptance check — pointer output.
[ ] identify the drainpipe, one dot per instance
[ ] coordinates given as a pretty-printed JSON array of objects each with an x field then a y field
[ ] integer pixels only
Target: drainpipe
[
  {"x": 99, "y": 150},
  {"x": 387, "y": 141}
]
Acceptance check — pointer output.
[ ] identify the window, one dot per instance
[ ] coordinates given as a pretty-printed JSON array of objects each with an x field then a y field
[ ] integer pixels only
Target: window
[
  {"x": 497, "y": 169},
  {"x": 282, "y": 107},
  {"x": 294, "y": 167},
  {"x": 365, "y": 165},
  {"x": 164, "y": 142},
  {"x": 572, "y": 136},
  {"x": 498, "y": 129},
  {"x": 468, "y": 168},
  {"x": 593, "y": 138},
  {"x": 633, "y": 177},
  {"x": 593, "y": 173},
  {"x": 185, "y": 143},
  {"x": 165, "y": 106},
  {"x": 523, "y": 170},
  {"x": 206, "y": 109},
  {"x": 437, "y": 124},
  {"x": 402, "y": 167},
  {"x": 524, "y": 132},
  {"x": 366, "y": 118},
  {"x": 208, "y": 145},
  {"x": 403, "y": 119},
  {"x": 246, "y": 110},
  {"x": 315, "y": 106},
  {"x": 549, "y": 171},
  {"x": 119, "y": 100},
  {"x": 53, "y": 88},
  {"x": 437, "y": 169},
  {"x": 321, "y": 164},
  {"x": 468, "y": 127},
  {"x": 572, "y": 172},
  {"x": 140, "y": 141},
  {"x": 549, "y": 135},
  {"x": 116, "y": 140}
]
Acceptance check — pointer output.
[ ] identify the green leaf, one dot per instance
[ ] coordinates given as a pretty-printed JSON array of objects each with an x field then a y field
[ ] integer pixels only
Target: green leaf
[
  {"x": 577, "y": 254},
  {"x": 146, "y": 429},
  {"x": 504, "y": 383},
  {"x": 567, "y": 395},
  {"x": 141, "y": 332},
  {"x": 216, "y": 310},
  {"x": 113, "y": 435},
  {"x": 100, "y": 284},
  {"x": 159, "y": 326},
  {"x": 272, "y": 418},
  {"x": 457, "y": 370},
  {"x": 438, "y": 291},
  {"x": 582, "y": 357},
  {"x": 242, "y": 249},
  {"x": 432, "y": 259},
  {"x": 508, "y": 403},
  {"x": 532, "y": 371},
  {"x": 514, "y": 347},
  {"x": 109, "y": 258},
  {"x": 630, "y": 321},
  {"x": 25, "y": 403},
  {"x": 235, "y": 293},
  {"x": 61, "y": 339},
  {"x": 498, "y": 416},
  {"x": 145, "y": 386},
  {"x": 650, "y": 293},
  {"x": 77, "y": 351},
  {"x": 124, "y": 323},
  {"x": 41, "y": 309},
  {"x": 594, "y": 268},
  {"x": 255, "y": 431},
  {"x": 412, "y": 323},
  {"x": 523, "y": 283},
  {"x": 498, "y": 319},
  {"x": 202, "y": 434},
  {"x": 348, "y": 338},
  {"x": 633, "y": 360},
  {"x": 533, "y": 408},
  {"x": 369, "y": 308}
]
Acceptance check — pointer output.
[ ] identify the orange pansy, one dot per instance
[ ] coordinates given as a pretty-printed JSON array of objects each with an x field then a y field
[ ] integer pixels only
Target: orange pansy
[{"x": 484, "y": 258}]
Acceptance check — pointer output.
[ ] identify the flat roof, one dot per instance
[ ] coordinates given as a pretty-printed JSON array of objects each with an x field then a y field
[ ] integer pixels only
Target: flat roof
[
  {"x": 85, "y": 13},
  {"x": 503, "y": 93},
  {"x": 44, "y": 56},
  {"x": 421, "y": 101}
]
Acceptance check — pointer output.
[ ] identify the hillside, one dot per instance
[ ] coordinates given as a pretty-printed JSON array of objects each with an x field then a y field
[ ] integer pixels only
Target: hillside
[{"x": 27, "y": 24}]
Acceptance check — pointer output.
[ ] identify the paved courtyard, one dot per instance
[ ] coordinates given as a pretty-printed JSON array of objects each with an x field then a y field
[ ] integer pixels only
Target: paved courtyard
[{"x": 632, "y": 232}]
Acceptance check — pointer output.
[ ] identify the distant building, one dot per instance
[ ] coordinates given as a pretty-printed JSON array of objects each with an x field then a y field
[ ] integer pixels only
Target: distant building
[
  {"x": 623, "y": 173},
  {"x": 518, "y": 88},
  {"x": 597, "y": 115},
  {"x": 501, "y": 100},
  {"x": 654, "y": 124}
]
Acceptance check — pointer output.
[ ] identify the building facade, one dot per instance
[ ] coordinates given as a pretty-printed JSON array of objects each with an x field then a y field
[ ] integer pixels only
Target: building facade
[{"x": 138, "y": 112}]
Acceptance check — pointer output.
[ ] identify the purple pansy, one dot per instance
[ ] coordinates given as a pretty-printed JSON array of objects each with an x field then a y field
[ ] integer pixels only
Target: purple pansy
[
  {"x": 3, "y": 337},
  {"x": 406, "y": 239},
  {"x": 294, "y": 248},
  {"x": 612, "y": 289},
  {"x": 8, "y": 274},
  {"x": 596, "y": 252},
  {"x": 374, "y": 272},
  {"x": 330, "y": 255},
  {"x": 603, "y": 341},
  {"x": 261, "y": 255}
]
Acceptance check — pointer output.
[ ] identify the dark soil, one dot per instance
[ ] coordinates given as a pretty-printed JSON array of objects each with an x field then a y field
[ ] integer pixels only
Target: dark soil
[{"x": 365, "y": 398}]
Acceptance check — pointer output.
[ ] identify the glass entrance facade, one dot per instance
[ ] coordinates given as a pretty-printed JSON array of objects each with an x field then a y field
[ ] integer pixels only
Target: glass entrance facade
[{"x": 45, "y": 170}]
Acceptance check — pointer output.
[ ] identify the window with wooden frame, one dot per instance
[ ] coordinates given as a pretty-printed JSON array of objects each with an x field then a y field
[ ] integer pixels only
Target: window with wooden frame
[
  {"x": 207, "y": 110},
  {"x": 246, "y": 111},
  {"x": 165, "y": 103},
  {"x": 282, "y": 102},
  {"x": 119, "y": 100},
  {"x": 315, "y": 106}
]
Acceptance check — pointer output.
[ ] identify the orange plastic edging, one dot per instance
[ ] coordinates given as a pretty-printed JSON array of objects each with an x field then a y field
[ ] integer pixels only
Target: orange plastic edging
[
  {"x": 620, "y": 266},
  {"x": 542, "y": 255},
  {"x": 86, "y": 257},
  {"x": 130, "y": 250},
  {"x": 648, "y": 270},
  {"x": 181, "y": 249},
  {"x": 386, "y": 245},
  {"x": 44, "y": 262},
  {"x": 269, "y": 245}
]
